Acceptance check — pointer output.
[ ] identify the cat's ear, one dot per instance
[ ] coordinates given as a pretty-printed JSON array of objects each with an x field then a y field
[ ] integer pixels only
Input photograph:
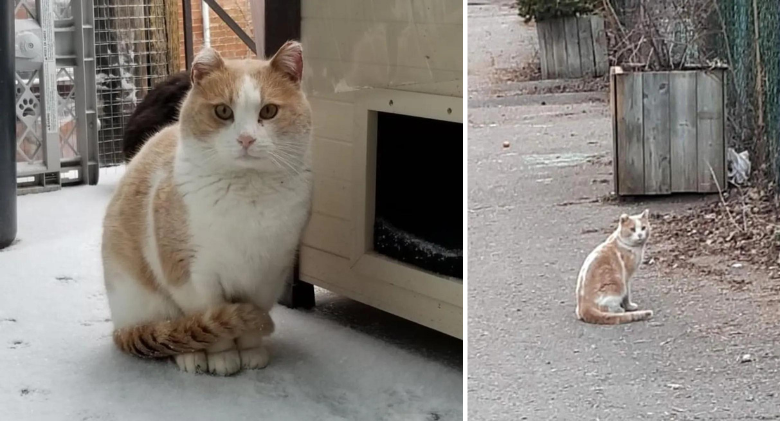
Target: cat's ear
[
  {"x": 645, "y": 214},
  {"x": 289, "y": 61},
  {"x": 206, "y": 62},
  {"x": 623, "y": 218}
]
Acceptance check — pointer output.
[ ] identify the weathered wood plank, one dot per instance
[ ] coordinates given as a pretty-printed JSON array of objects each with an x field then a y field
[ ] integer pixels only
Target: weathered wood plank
[
  {"x": 329, "y": 234},
  {"x": 332, "y": 158},
  {"x": 630, "y": 153},
  {"x": 682, "y": 125},
  {"x": 541, "y": 33},
  {"x": 657, "y": 145},
  {"x": 724, "y": 78},
  {"x": 613, "y": 72},
  {"x": 557, "y": 33},
  {"x": 600, "y": 47},
  {"x": 710, "y": 139},
  {"x": 332, "y": 197},
  {"x": 587, "y": 60},
  {"x": 335, "y": 274},
  {"x": 328, "y": 119},
  {"x": 549, "y": 51},
  {"x": 572, "y": 36}
]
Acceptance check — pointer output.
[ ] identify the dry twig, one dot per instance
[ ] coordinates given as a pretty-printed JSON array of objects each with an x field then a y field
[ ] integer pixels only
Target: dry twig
[{"x": 722, "y": 200}]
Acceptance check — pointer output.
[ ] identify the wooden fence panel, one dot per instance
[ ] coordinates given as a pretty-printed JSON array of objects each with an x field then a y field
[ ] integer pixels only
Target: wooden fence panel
[
  {"x": 656, "y": 133},
  {"x": 572, "y": 36},
  {"x": 541, "y": 33},
  {"x": 630, "y": 154},
  {"x": 709, "y": 108},
  {"x": 559, "y": 47},
  {"x": 668, "y": 130},
  {"x": 600, "y": 47},
  {"x": 682, "y": 125},
  {"x": 572, "y": 47},
  {"x": 587, "y": 60}
]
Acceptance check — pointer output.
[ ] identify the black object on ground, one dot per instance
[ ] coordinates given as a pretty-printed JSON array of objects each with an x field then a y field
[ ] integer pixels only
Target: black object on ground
[{"x": 297, "y": 293}]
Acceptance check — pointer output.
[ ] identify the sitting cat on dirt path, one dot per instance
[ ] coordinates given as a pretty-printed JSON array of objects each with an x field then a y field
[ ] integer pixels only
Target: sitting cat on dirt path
[{"x": 603, "y": 285}]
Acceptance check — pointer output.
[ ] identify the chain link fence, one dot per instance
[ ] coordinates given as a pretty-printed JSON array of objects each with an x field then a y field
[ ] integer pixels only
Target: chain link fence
[{"x": 754, "y": 103}]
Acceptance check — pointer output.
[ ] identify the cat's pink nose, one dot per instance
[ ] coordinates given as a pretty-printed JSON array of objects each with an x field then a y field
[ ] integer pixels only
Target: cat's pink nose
[{"x": 246, "y": 141}]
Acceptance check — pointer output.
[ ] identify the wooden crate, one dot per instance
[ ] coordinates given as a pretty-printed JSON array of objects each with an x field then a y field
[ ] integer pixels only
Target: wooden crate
[
  {"x": 668, "y": 131},
  {"x": 572, "y": 47}
]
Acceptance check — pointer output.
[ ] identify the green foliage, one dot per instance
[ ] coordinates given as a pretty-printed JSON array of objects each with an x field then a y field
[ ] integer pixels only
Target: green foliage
[{"x": 540, "y": 10}]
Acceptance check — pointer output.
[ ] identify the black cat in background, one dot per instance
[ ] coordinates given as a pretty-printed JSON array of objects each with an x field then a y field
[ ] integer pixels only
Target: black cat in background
[{"x": 158, "y": 109}]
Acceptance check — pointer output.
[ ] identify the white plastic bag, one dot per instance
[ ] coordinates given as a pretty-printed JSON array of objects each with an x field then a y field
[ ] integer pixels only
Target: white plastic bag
[{"x": 738, "y": 166}]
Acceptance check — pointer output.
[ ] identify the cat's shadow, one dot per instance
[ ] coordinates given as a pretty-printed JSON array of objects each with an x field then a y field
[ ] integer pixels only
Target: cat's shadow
[{"x": 387, "y": 327}]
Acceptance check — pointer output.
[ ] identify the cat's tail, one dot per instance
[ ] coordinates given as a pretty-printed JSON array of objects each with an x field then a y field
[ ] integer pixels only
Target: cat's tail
[
  {"x": 594, "y": 315},
  {"x": 192, "y": 333}
]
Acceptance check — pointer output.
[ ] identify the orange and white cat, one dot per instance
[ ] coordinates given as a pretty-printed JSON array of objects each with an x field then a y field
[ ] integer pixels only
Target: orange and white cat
[
  {"x": 604, "y": 282},
  {"x": 202, "y": 230}
]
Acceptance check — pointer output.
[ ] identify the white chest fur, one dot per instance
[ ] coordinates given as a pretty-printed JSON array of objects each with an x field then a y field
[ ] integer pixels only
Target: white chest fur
[
  {"x": 631, "y": 265},
  {"x": 245, "y": 230}
]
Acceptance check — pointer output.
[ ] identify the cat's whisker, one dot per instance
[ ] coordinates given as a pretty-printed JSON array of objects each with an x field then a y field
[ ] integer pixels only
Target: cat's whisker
[
  {"x": 285, "y": 161},
  {"x": 290, "y": 156},
  {"x": 295, "y": 157},
  {"x": 275, "y": 160}
]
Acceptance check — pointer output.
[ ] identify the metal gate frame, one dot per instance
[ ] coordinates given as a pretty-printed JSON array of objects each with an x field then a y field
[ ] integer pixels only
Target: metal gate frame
[
  {"x": 275, "y": 22},
  {"x": 66, "y": 43}
]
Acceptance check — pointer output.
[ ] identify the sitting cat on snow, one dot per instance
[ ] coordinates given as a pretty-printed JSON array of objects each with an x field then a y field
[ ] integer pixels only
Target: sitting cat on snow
[
  {"x": 203, "y": 229},
  {"x": 603, "y": 285}
]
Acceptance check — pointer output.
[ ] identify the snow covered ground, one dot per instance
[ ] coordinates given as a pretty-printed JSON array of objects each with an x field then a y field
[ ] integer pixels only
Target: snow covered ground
[{"x": 341, "y": 361}]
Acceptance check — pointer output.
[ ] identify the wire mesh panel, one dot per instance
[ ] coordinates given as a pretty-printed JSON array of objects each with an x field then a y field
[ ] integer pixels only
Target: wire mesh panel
[
  {"x": 132, "y": 56},
  {"x": 66, "y": 112}
]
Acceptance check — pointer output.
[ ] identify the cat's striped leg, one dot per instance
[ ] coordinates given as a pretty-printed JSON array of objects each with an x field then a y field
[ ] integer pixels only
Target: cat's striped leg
[{"x": 222, "y": 358}]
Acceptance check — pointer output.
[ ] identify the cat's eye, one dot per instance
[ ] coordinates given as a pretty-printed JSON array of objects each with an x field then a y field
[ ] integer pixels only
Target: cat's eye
[
  {"x": 268, "y": 111},
  {"x": 633, "y": 229},
  {"x": 223, "y": 112}
]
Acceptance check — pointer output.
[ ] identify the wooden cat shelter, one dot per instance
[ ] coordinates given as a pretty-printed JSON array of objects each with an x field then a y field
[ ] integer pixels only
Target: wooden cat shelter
[{"x": 385, "y": 83}]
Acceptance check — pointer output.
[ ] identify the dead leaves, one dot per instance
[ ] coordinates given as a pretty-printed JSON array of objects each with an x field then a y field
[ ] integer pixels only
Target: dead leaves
[{"x": 747, "y": 231}]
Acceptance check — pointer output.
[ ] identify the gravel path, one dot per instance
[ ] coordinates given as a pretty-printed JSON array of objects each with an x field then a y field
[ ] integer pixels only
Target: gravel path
[{"x": 532, "y": 221}]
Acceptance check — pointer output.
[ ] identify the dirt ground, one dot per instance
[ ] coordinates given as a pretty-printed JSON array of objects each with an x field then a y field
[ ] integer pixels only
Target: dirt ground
[{"x": 710, "y": 352}]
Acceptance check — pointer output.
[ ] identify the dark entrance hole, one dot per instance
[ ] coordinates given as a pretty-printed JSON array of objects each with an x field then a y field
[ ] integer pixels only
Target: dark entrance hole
[{"x": 419, "y": 192}]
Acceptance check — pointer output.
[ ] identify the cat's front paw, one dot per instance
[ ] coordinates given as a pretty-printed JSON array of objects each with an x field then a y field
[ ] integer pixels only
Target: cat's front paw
[
  {"x": 632, "y": 306},
  {"x": 194, "y": 362},
  {"x": 254, "y": 358},
  {"x": 224, "y": 363}
]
